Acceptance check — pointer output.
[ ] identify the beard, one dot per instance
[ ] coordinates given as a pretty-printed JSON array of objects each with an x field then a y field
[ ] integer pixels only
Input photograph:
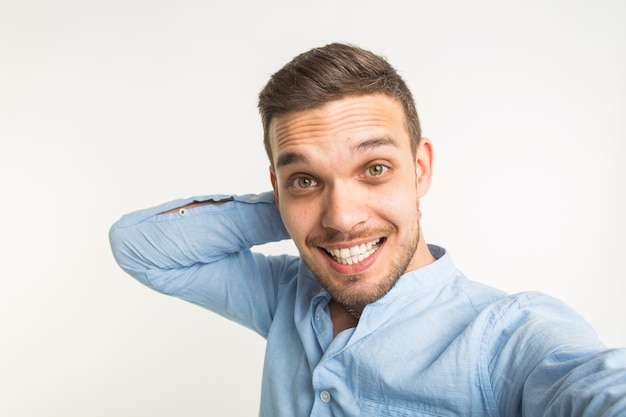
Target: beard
[{"x": 350, "y": 291}]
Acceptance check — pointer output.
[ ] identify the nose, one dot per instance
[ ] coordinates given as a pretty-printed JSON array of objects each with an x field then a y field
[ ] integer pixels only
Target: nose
[{"x": 344, "y": 209}]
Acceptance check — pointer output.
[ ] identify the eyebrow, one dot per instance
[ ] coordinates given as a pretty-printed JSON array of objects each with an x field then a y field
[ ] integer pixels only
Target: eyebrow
[
  {"x": 291, "y": 158},
  {"x": 373, "y": 143},
  {"x": 361, "y": 147}
]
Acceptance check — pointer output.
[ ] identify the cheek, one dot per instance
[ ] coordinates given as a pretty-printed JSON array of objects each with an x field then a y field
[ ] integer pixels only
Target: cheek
[
  {"x": 402, "y": 209},
  {"x": 298, "y": 219},
  {"x": 401, "y": 197}
]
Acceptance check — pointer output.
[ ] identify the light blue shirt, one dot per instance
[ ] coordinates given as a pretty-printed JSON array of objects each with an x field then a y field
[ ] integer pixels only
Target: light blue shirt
[{"x": 437, "y": 344}]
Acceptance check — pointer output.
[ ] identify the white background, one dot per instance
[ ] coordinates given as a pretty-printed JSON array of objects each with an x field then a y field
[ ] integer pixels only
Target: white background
[{"x": 111, "y": 106}]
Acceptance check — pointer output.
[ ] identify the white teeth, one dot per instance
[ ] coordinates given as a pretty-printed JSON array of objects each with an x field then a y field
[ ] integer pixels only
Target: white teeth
[{"x": 355, "y": 254}]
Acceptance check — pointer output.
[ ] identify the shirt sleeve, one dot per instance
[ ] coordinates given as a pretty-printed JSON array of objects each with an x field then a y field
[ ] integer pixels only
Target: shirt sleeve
[
  {"x": 546, "y": 360},
  {"x": 203, "y": 254}
]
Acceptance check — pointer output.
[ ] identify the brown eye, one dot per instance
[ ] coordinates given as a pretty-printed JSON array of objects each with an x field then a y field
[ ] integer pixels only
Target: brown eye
[
  {"x": 303, "y": 182},
  {"x": 376, "y": 170}
]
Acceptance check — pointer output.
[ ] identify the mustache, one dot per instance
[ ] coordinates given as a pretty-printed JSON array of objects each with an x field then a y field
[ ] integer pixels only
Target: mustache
[{"x": 332, "y": 237}]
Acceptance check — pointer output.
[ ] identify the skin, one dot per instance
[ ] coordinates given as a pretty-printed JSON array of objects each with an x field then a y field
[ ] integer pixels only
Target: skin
[{"x": 344, "y": 176}]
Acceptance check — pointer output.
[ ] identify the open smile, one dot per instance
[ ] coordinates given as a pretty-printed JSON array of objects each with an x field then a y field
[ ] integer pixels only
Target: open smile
[{"x": 354, "y": 254}]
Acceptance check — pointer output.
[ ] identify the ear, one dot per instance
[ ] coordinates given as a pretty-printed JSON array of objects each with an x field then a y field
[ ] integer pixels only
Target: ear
[
  {"x": 274, "y": 184},
  {"x": 424, "y": 166}
]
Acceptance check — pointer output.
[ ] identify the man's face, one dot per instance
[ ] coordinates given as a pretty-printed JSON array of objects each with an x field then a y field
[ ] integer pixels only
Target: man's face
[{"x": 348, "y": 188}]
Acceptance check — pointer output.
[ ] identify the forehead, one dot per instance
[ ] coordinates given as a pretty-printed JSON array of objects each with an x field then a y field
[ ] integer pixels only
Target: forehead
[{"x": 361, "y": 116}]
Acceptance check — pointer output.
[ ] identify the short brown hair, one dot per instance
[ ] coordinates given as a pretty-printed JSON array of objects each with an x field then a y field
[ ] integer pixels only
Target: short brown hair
[{"x": 330, "y": 73}]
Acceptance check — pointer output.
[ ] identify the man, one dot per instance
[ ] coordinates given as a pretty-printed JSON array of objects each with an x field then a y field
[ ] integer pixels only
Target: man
[{"x": 369, "y": 320}]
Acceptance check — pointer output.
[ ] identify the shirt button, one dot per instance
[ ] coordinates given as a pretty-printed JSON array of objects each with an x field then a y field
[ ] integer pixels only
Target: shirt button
[
  {"x": 182, "y": 211},
  {"x": 254, "y": 198},
  {"x": 325, "y": 396}
]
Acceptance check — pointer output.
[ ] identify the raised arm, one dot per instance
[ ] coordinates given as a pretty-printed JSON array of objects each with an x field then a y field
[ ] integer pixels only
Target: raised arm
[{"x": 198, "y": 249}]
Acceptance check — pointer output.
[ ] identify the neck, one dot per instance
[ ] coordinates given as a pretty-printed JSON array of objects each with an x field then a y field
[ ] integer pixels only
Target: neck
[{"x": 341, "y": 318}]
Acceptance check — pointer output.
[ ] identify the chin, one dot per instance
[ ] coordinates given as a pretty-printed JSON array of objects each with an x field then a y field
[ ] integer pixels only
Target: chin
[{"x": 357, "y": 291}]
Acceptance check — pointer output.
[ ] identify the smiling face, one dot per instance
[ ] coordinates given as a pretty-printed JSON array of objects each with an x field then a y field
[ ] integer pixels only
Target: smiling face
[{"x": 348, "y": 187}]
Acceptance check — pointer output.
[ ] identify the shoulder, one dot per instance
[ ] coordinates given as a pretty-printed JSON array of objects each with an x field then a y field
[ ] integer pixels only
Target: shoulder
[
  {"x": 283, "y": 266},
  {"x": 537, "y": 318}
]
